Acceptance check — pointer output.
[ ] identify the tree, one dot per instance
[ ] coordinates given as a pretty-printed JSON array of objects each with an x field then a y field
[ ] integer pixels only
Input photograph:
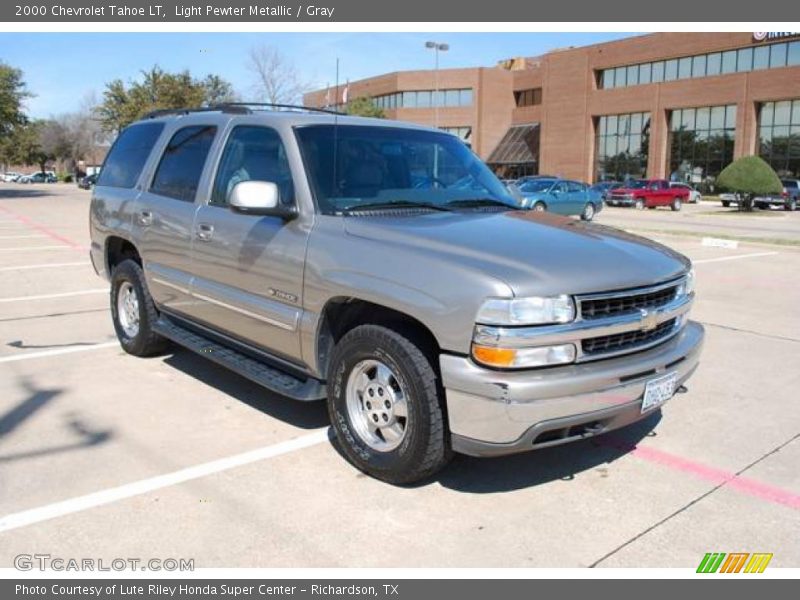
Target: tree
[
  {"x": 13, "y": 92},
  {"x": 277, "y": 79},
  {"x": 748, "y": 177},
  {"x": 27, "y": 147},
  {"x": 363, "y": 106},
  {"x": 158, "y": 90}
]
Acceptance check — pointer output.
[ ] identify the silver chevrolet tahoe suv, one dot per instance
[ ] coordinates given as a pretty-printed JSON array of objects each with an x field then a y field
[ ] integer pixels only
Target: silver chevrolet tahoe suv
[{"x": 381, "y": 266}]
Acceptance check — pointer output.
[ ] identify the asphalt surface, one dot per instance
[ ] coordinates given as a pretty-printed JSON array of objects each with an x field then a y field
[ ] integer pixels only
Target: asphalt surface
[{"x": 104, "y": 455}]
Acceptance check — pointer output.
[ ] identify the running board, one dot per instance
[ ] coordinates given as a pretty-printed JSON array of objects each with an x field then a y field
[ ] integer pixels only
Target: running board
[{"x": 270, "y": 377}]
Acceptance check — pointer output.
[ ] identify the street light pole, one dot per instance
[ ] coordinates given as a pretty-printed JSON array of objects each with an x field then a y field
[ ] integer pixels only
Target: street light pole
[{"x": 436, "y": 47}]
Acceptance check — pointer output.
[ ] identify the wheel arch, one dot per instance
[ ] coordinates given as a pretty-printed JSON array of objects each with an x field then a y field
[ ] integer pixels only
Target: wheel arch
[{"x": 343, "y": 313}]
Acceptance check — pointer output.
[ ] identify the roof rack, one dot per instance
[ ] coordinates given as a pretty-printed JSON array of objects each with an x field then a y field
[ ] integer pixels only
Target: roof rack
[{"x": 237, "y": 108}]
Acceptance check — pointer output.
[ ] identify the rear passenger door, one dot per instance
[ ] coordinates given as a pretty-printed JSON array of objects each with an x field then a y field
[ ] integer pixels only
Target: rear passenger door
[
  {"x": 164, "y": 217},
  {"x": 249, "y": 268},
  {"x": 560, "y": 198},
  {"x": 577, "y": 197}
]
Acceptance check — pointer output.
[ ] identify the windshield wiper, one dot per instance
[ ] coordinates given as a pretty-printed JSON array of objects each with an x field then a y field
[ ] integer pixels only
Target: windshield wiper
[
  {"x": 478, "y": 202},
  {"x": 395, "y": 204}
]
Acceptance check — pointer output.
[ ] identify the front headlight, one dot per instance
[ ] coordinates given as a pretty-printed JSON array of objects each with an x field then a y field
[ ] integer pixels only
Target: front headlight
[
  {"x": 686, "y": 287},
  {"x": 535, "y": 310}
]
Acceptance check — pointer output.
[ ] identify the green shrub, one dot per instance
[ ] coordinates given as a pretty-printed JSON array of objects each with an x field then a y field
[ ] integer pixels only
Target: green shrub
[
  {"x": 749, "y": 175},
  {"x": 65, "y": 177}
]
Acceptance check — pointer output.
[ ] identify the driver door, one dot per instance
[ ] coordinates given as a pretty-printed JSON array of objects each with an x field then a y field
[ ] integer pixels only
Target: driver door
[{"x": 249, "y": 268}]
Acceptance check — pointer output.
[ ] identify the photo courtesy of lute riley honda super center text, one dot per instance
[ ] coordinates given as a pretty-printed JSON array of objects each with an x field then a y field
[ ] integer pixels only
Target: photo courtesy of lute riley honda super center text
[{"x": 186, "y": 11}]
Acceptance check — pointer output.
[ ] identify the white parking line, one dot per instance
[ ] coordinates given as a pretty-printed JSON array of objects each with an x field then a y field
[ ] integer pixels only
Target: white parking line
[
  {"x": 724, "y": 258},
  {"x": 23, "y": 248},
  {"x": 45, "y": 266},
  {"x": 48, "y": 296},
  {"x": 56, "y": 352},
  {"x": 137, "y": 488}
]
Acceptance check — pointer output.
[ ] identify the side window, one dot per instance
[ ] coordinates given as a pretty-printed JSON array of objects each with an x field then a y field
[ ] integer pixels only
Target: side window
[
  {"x": 253, "y": 153},
  {"x": 561, "y": 187},
  {"x": 574, "y": 186},
  {"x": 182, "y": 163},
  {"x": 655, "y": 186},
  {"x": 126, "y": 159}
]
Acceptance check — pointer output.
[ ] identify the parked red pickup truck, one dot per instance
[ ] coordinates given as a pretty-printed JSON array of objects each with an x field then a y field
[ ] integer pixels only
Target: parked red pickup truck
[{"x": 649, "y": 193}]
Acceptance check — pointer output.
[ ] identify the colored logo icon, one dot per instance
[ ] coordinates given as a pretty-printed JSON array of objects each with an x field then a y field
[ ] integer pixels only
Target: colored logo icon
[{"x": 734, "y": 562}]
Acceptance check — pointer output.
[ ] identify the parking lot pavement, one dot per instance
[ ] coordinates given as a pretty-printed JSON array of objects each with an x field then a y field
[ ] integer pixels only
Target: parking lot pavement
[
  {"x": 105, "y": 455},
  {"x": 709, "y": 218}
]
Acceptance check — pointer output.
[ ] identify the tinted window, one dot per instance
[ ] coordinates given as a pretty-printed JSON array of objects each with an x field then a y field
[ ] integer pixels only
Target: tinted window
[
  {"x": 128, "y": 155},
  {"x": 658, "y": 72},
  {"x": 777, "y": 55},
  {"x": 761, "y": 57},
  {"x": 714, "y": 64},
  {"x": 729, "y": 61},
  {"x": 253, "y": 154},
  {"x": 744, "y": 61},
  {"x": 182, "y": 163},
  {"x": 670, "y": 70},
  {"x": 789, "y": 184}
]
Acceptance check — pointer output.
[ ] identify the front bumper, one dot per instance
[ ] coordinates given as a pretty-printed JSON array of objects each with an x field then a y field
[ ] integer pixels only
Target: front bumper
[
  {"x": 502, "y": 412},
  {"x": 620, "y": 201}
]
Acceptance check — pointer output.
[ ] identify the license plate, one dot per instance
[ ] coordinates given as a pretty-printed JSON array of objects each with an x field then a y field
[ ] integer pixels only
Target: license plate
[{"x": 659, "y": 390}]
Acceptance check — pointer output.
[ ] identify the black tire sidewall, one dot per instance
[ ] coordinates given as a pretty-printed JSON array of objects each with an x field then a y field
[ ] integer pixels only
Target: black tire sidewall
[
  {"x": 129, "y": 271},
  {"x": 388, "y": 466}
]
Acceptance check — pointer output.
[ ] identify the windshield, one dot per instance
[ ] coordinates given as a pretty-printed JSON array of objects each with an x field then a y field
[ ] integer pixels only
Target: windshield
[
  {"x": 637, "y": 184},
  {"x": 536, "y": 185},
  {"x": 352, "y": 166}
]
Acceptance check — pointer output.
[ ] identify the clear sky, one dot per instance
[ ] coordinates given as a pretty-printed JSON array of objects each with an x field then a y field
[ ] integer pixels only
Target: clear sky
[{"x": 62, "y": 68}]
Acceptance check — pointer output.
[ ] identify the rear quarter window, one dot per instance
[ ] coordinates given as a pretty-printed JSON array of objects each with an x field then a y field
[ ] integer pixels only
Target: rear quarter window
[
  {"x": 128, "y": 155},
  {"x": 182, "y": 163},
  {"x": 790, "y": 184}
]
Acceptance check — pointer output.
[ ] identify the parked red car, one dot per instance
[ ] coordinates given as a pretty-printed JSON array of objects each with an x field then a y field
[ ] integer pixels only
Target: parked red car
[{"x": 649, "y": 193}]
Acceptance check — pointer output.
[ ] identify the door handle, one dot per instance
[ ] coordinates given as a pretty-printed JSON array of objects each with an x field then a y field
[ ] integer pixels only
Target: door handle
[
  {"x": 145, "y": 218},
  {"x": 205, "y": 232}
]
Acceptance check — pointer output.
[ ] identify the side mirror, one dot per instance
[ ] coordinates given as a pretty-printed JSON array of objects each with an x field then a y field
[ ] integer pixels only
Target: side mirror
[{"x": 259, "y": 198}]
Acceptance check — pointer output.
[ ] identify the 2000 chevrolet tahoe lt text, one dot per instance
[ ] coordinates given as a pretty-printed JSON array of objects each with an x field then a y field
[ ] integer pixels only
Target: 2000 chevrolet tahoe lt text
[{"x": 382, "y": 266}]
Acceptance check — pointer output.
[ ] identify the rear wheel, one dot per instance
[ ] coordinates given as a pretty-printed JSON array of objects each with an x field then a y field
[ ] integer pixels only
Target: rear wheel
[
  {"x": 539, "y": 207},
  {"x": 385, "y": 406},
  {"x": 133, "y": 311},
  {"x": 588, "y": 212},
  {"x": 639, "y": 204},
  {"x": 726, "y": 203},
  {"x": 791, "y": 205},
  {"x": 676, "y": 204}
]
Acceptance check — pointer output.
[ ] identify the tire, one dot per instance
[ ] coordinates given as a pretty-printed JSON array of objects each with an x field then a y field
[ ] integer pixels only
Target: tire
[
  {"x": 139, "y": 340},
  {"x": 639, "y": 204},
  {"x": 791, "y": 205},
  {"x": 423, "y": 447},
  {"x": 676, "y": 204},
  {"x": 539, "y": 207},
  {"x": 726, "y": 203},
  {"x": 588, "y": 212}
]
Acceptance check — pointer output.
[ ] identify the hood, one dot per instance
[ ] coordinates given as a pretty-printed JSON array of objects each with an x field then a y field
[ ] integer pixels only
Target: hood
[{"x": 535, "y": 253}]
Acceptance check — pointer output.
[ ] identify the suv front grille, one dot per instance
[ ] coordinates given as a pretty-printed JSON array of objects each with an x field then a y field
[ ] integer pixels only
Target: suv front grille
[
  {"x": 608, "y": 307},
  {"x": 629, "y": 340}
]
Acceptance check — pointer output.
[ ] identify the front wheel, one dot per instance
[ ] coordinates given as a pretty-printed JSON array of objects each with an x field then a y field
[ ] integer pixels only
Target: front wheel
[
  {"x": 385, "y": 406},
  {"x": 639, "y": 204},
  {"x": 133, "y": 311},
  {"x": 539, "y": 207},
  {"x": 792, "y": 205},
  {"x": 726, "y": 203},
  {"x": 676, "y": 204},
  {"x": 588, "y": 212}
]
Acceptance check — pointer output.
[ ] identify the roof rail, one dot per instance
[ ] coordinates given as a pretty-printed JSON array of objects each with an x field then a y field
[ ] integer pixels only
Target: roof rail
[
  {"x": 268, "y": 105},
  {"x": 237, "y": 108}
]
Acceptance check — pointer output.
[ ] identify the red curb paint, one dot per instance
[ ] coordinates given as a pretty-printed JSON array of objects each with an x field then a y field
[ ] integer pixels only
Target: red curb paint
[
  {"x": 716, "y": 476},
  {"x": 45, "y": 230}
]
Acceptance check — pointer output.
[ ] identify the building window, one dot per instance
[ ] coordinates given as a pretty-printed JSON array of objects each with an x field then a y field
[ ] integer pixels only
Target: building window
[
  {"x": 622, "y": 146},
  {"x": 742, "y": 60},
  {"x": 464, "y": 132},
  {"x": 701, "y": 142},
  {"x": 532, "y": 97},
  {"x": 779, "y": 136},
  {"x": 425, "y": 99}
]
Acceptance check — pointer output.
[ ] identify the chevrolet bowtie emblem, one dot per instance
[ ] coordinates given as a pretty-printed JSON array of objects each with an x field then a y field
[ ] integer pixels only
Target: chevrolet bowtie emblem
[{"x": 648, "y": 320}]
